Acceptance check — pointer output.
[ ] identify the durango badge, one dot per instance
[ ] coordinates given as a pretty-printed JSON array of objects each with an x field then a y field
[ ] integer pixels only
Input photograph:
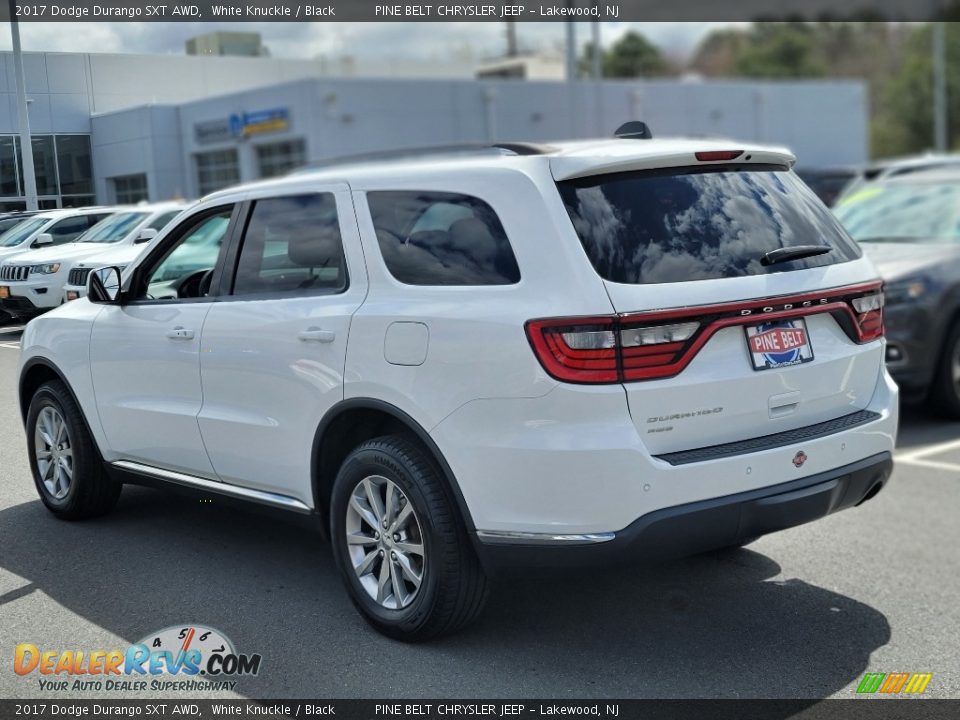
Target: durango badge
[{"x": 799, "y": 459}]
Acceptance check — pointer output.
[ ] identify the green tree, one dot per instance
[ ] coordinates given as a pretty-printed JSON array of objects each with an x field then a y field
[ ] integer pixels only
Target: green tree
[
  {"x": 903, "y": 118},
  {"x": 781, "y": 50},
  {"x": 630, "y": 56}
]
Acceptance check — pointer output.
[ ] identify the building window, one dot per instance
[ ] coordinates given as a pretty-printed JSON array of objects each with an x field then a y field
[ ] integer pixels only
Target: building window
[
  {"x": 9, "y": 172},
  {"x": 62, "y": 167},
  {"x": 280, "y": 158},
  {"x": 74, "y": 164},
  {"x": 45, "y": 164},
  {"x": 129, "y": 189},
  {"x": 216, "y": 170}
]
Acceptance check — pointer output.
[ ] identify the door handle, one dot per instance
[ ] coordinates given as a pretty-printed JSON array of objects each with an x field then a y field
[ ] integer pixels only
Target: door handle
[
  {"x": 317, "y": 335},
  {"x": 180, "y": 333}
]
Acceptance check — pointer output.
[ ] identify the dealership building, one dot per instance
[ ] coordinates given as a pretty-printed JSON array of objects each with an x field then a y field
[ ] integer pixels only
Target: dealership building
[{"x": 110, "y": 128}]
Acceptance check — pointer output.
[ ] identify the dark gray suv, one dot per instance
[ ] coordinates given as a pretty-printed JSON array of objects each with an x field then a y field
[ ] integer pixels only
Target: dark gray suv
[{"x": 910, "y": 228}]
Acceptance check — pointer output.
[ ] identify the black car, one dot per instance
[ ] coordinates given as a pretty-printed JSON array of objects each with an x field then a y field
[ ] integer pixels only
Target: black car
[{"x": 910, "y": 228}]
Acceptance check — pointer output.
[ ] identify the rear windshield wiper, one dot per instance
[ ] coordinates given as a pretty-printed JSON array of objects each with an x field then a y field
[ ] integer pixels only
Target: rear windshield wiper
[{"x": 794, "y": 252}]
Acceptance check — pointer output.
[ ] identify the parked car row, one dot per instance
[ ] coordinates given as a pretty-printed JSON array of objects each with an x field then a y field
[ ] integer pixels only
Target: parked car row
[{"x": 45, "y": 256}]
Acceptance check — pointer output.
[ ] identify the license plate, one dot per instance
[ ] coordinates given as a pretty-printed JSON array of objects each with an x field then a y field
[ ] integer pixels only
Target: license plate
[
  {"x": 779, "y": 344},
  {"x": 72, "y": 294},
  {"x": 4, "y": 292}
]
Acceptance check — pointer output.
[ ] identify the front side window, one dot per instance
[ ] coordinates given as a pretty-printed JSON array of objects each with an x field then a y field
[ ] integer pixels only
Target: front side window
[
  {"x": 673, "y": 225},
  {"x": 439, "y": 238},
  {"x": 185, "y": 269},
  {"x": 216, "y": 170},
  {"x": 292, "y": 245}
]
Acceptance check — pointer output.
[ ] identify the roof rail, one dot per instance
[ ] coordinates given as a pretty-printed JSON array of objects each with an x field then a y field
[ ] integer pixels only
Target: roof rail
[{"x": 511, "y": 148}]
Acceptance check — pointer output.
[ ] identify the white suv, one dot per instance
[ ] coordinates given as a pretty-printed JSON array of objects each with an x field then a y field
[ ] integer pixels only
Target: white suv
[
  {"x": 117, "y": 241},
  {"x": 35, "y": 280},
  {"x": 630, "y": 349},
  {"x": 46, "y": 229}
]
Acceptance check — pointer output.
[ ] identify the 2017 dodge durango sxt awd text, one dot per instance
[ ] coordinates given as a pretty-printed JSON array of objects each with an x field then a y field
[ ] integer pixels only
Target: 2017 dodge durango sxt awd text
[{"x": 600, "y": 350}]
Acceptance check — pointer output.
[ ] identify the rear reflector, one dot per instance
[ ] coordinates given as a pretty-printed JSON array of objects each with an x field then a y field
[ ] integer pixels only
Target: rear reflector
[
  {"x": 660, "y": 344},
  {"x": 718, "y": 155}
]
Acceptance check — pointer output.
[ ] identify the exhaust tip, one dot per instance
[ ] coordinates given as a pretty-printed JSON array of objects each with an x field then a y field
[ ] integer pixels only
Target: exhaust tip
[{"x": 871, "y": 493}]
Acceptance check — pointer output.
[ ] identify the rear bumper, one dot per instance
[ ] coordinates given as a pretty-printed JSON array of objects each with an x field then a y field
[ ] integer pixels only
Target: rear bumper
[
  {"x": 572, "y": 463},
  {"x": 695, "y": 527}
]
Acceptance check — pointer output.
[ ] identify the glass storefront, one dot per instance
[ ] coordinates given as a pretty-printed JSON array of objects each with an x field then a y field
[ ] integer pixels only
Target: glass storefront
[{"x": 63, "y": 168}]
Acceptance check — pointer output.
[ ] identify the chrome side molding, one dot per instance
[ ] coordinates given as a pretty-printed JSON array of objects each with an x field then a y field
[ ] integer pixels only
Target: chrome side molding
[
  {"x": 508, "y": 537},
  {"x": 258, "y": 496}
]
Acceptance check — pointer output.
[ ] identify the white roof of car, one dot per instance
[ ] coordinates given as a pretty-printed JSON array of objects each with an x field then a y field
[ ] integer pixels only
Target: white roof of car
[
  {"x": 569, "y": 159},
  {"x": 68, "y": 212}
]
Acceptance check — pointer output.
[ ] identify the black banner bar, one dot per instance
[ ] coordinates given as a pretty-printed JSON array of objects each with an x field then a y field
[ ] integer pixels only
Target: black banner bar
[
  {"x": 873, "y": 708},
  {"x": 259, "y": 11}
]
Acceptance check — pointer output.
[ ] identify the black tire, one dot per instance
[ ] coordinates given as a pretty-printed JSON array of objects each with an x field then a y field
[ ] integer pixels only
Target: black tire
[
  {"x": 453, "y": 588},
  {"x": 944, "y": 395},
  {"x": 91, "y": 491}
]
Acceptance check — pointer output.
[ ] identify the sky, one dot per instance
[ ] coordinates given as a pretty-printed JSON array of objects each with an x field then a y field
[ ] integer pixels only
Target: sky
[{"x": 414, "y": 41}]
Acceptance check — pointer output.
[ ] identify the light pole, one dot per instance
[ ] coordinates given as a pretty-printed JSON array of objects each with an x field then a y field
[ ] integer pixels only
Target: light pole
[
  {"x": 26, "y": 146},
  {"x": 940, "y": 139}
]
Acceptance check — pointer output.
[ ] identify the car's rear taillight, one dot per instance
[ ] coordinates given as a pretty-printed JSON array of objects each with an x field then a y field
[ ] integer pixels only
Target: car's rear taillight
[
  {"x": 660, "y": 344},
  {"x": 648, "y": 349},
  {"x": 582, "y": 350},
  {"x": 868, "y": 310}
]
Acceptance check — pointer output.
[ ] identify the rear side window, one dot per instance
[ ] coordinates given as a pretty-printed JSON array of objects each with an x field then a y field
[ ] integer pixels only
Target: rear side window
[
  {"x": 692, "y": 224},
  {"x": 438, "y": 238},
  {"x": 292, "y": 244},
  {"x": 70, "y": 229}
]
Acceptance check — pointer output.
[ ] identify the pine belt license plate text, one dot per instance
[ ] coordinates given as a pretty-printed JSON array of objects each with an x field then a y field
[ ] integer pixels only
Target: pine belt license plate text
[{"x": 779, "y": 344}]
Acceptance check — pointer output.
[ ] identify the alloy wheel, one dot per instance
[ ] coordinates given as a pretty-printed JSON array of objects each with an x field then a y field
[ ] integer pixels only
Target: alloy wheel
[
  {"x": 54, "y": 452},
  {"x": 385, "y": 542}
]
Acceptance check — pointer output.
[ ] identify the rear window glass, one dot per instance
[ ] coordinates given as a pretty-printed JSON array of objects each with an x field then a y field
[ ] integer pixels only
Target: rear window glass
[
  {"x": 691, "y": 224},
  {"x": 438, "y": 238}
]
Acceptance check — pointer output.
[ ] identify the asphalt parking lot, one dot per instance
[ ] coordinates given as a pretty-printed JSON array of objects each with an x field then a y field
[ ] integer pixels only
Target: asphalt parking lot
[{"x": 804, "y": 613}]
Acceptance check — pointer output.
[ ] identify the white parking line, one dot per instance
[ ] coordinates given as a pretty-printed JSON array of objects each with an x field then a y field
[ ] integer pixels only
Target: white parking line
[
  {"x": 929, "y": 450},
  {"x": 10, "y": 346},
  {"x": 933, "y": 464}
]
